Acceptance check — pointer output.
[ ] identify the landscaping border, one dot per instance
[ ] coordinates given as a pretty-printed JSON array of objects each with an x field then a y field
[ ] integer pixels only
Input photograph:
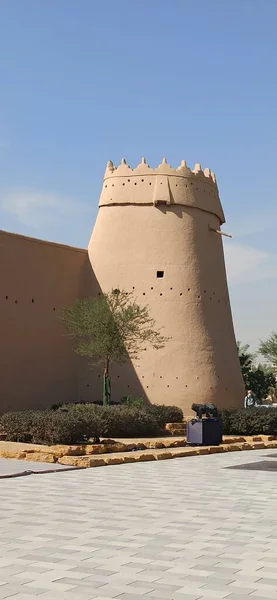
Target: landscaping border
[{"x": 114, "y": 453}]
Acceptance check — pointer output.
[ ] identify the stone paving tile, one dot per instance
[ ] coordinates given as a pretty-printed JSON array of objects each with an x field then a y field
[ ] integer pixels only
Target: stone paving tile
[
  {"x": 11, "y": 466},
  {"x": 186, "y": 529},
  {"x": 244, "y": 597}
]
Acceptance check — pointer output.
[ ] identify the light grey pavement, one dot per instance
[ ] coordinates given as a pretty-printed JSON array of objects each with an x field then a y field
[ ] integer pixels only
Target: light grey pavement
[
  {"x": 182, "y": 529},
  {"x": 18, "y": 467}
]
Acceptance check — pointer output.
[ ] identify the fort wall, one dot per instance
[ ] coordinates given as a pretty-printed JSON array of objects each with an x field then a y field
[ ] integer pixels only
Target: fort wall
[
  {"x": 156, "y": 234},
  {"x": 38, "y": 367}
]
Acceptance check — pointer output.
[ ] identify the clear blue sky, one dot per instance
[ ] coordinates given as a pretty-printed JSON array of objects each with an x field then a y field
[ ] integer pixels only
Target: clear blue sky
[{"x": 84, "y": 81}]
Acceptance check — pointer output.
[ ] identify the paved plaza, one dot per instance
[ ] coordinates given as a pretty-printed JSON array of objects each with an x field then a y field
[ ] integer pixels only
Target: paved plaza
[{"x": 183, "y": 529}]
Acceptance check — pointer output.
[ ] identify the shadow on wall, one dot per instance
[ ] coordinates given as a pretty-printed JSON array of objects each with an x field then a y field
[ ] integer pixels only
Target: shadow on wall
[
  {"x": 37, "y": 363},
  {"x": 124, "y": 380},
  {"x": 38, "y": 366}
]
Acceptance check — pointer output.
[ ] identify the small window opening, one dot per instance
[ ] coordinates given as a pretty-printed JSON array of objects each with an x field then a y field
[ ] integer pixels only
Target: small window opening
[{"x": 160, "y": 274}]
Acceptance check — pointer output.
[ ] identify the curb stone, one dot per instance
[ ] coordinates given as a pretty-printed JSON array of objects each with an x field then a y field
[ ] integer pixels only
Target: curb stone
[{"x": 70, "y": 455}]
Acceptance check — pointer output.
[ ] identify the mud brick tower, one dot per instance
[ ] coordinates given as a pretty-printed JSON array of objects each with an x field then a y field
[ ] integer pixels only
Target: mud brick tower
[{"x": 157, "y": 234}]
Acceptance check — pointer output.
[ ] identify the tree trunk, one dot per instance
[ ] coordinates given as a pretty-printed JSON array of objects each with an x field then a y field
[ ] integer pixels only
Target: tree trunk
[{"x": 106, "y": 385}]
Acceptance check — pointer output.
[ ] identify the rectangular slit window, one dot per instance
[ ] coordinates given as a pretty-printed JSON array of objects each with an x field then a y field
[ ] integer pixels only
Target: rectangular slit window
[{"x": 160, "y": 274}]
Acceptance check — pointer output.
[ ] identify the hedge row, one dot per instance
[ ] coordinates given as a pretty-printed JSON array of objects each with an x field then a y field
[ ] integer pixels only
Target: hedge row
[
  {"x": 71, "y": 424},
  {"x": 253, "y": 421}
]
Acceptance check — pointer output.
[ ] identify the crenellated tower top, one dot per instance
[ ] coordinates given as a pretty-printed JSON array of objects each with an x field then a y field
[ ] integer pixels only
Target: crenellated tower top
[{"x": 163, "y": 185}]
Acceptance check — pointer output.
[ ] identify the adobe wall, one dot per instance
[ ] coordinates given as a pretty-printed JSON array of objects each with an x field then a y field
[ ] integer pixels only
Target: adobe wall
[{"x": 37, "y": 364}]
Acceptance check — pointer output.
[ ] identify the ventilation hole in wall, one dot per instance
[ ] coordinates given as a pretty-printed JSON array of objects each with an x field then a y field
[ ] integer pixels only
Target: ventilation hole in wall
[
  {"x": 32, "y": 300},
  {"x": 205, "y": 291},
  {"x": 161, "y": 294},
  {"x": 123, "y": 183},
  {"x": 143, "y": 293},
  {"x": 106, "y": 186},
  {"x": 167, "y": 386},
  {"x": 99, "y": 375},
  {"x": 142, "y": 376},
  {"x": 160, "y": 274},
  {"x": 87, "y": 384},
  {"x": 176, "y": 377},
  {"x": 218, "y": 377},
  {"x": 191, "y": 183},
  {"x": 142, "y": 180},
  {"x": 186, "y": 185},
  {"x": 176, "y": 185},
  {"x": 129, "y": 180},
  {"x": 133, "y": 287},
  {"x": 198, "y": 296},
  {"x": 161, "y": 376},
  {"x": 161, "y": 183},
  {"x": 147, "y": 386},
  {"x": 186, "y": 385},
  {"x": 128, "y": 386},
  {"x": 7, "y": 297},
  {"x": 196, "y": 188},
  {"x": 197, "y": 377},
  {"x": 151, "y": 288},
  {"x": 111, "y": 199},
  {"x": 171, "y": 288},
  {"x": 118, "y": 376},
  {"x": 135, "y": 183},
  {"x": 112, "y": 184},
  {"x": 54, "y": 309},
  {"x": 188, "y": 289},
  {"x": 181, "y": 293},
  {"x": 15, "y": 301},
  {"x": 99, "y": 293}
]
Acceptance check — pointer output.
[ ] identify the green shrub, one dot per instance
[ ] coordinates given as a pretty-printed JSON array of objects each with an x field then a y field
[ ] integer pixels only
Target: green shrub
[
  {"x": 132, "y": 401},
  {"x": 224, "y": 416},
  {"x": 89, "y": 417},
  {"x": 128, "y": 422},
  {"x": 18, "y": 425},
  {"x": 166, "y": 414},
  {"x": 56, "y": 428},
  {"x": 51, "y": 427},
  {"x": 78, "y": 423},
  {"x": 252, "y": 421},
  {"x": 68, "y": 405}
]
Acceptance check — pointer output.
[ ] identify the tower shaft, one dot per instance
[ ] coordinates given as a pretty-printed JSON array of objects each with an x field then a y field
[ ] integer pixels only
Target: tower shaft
[{"x": 162, "y": 246}]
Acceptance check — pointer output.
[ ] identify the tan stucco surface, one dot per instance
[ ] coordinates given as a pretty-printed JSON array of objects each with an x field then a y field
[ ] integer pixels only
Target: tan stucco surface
[
  {"x": 37, "y": 365},
  {"x": 149, "y": 220},
  {"x": 139, "y": 232}
]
